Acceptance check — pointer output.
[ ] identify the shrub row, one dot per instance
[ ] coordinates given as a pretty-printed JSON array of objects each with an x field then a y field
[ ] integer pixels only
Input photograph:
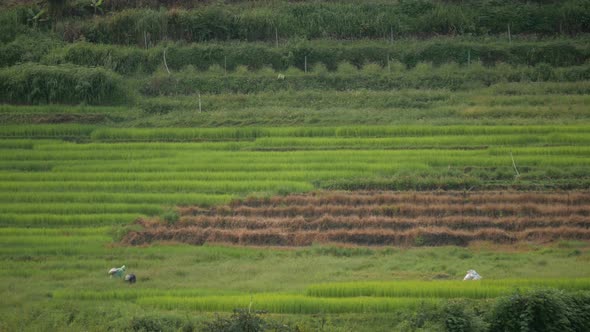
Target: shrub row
[
  {"x": 39, "y": 84},
  {"x": 372, "y": 77},
  {"x": 300, "y": 53},
  {"x": 27, "y": 48},
  {"x": 332, "y": 20}
]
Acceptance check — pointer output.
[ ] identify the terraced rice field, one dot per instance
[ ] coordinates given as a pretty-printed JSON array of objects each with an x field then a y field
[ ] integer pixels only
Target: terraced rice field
[
  {"x": 53, "y": 183},
  {"x": 337, "y": 164},
  {"x": 219, "y": 218}
]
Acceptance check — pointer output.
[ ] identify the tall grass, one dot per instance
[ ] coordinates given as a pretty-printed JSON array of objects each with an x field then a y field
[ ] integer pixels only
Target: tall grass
[
  {"x": 46, "y": 131},
  {"x": 61, "y": 109},
  {"x": 422, "y": 76},
  {"x": 293, "y": 304},
  {"x": 333, "y": 20}
]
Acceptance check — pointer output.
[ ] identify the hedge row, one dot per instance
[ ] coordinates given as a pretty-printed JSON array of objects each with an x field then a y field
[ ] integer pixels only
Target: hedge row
[
  {"x": 128, "y": 60},
  {"x": 68, "y": 84},
  {"x": 331, "y": 20},
  {"x": 372, "y": 77}
]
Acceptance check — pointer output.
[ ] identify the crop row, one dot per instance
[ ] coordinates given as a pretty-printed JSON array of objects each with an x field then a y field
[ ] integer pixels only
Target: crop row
[
  {"x": 175, "y": 176},
  {"x": 580, "y": 140},
  {"x": 14, "y": 242},
  {"x": 293, "y": 304},
  {"x": 47, "y": 232},
  {"x": 344, "y": 160},
  {"x": 80, "y": 208},
  {"x": 301, "y": 223},
  {"x": 251, "y": 133},
  {"x": 431, "y": 236},
  {"x": 441, "y": 289},
  {"x": 361, "y": 290},
  {"x": 414, "y": 142},
  {"x": 553, "y": 144},
  {"x": 178, "y": 185},
  {"x": 37, "y": 197},
  {"x": 46, "y": 131},
  {"x": 83, "y": 155},
  {"x": 408, "y": 209},
  {"x": 28, "y": 247},
  {"x": 419, "y": 198},
  {"x": 337, "y": 160},
  {"x": 372, "y": 131},
  {"x": 68, "y": 220},
  {"x": 379, "y": 218}
]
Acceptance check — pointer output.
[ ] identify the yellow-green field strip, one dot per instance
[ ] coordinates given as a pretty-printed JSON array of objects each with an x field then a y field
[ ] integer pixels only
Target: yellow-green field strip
[
  {"x": 352, "y": 297},
  {"x": 441, "y": 289}
]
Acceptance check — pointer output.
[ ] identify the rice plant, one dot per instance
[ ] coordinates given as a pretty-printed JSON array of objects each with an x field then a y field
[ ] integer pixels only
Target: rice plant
[
  {"x": 441, "y": 289},
  {"x": 70, "y": 220}
]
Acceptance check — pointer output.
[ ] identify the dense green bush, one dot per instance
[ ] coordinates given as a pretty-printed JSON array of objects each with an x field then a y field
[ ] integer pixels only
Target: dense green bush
[
  {"x": 160, "y": 324},
  {"x": 244, "y": 320},
  {"x": 136, "y": 23},
  {"x": 9, "y": 26},
  {"x": 170, "y": 216},
  {"x": 424, "y": 75},
  {"x": 27, "y": 48},
  {"x": 39, "y": 84},
  {"x": 337, "y": 20},
  {"x": 123, "y": 60},
  {"x": 463, "y": 316},
  {"x": 540, "y": 311}
]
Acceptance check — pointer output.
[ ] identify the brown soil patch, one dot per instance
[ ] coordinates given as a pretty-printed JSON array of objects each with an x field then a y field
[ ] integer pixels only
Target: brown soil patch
[{"x": 381, "y": 218}]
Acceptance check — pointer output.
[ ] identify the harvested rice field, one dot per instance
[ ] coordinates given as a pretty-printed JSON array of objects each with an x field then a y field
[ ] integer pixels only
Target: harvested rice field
[{"x": 380, "y": 219}]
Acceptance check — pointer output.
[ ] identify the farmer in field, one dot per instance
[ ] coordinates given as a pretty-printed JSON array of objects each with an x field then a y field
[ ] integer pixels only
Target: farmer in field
[
  {"x": 472, "y": 275},
  {"x": 117, "y": 271}
]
